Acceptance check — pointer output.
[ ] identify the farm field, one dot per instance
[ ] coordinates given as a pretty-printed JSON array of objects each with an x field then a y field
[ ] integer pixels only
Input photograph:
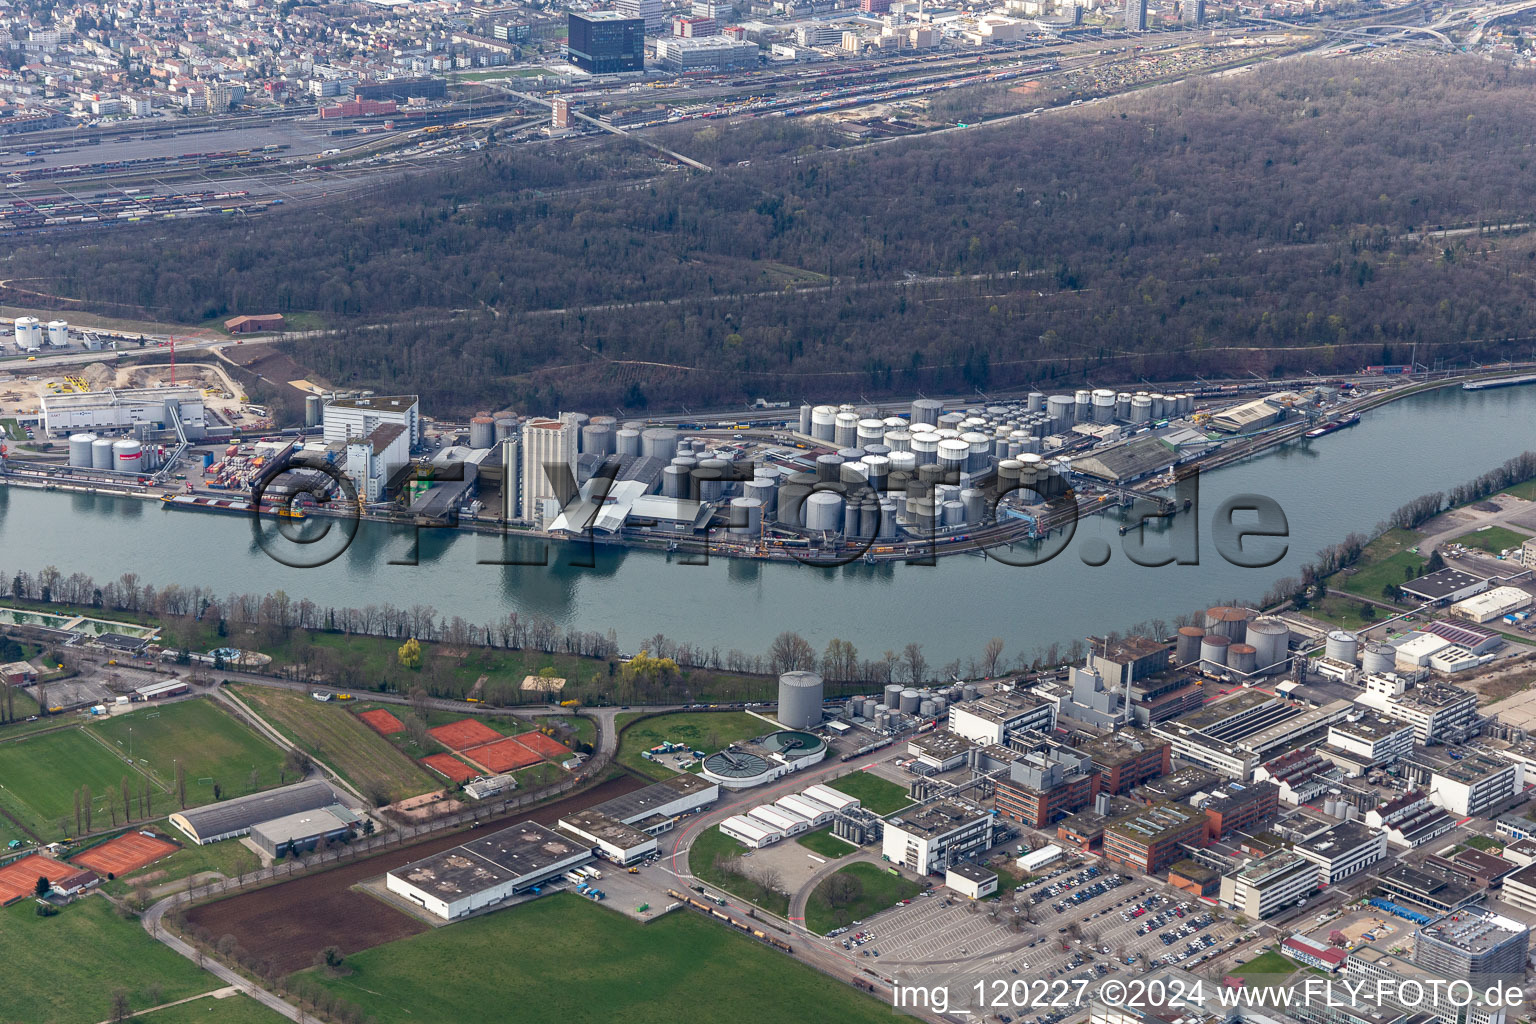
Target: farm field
[
  {"x": 64, "y": 968},
  {"x": 43, "y": 772},
  {"x": 879, "y": 890},
  {"x": 580, "y": 962},
  {"x": 332, "y": 733},
  {"x": 214, "y": 748},
  {"x": 875, "y": 794},
  {"x": 701, "y": 730}
]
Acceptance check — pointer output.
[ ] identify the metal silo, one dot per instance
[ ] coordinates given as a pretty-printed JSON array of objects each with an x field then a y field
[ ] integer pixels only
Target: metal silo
[
  {"x": 926, "y": 448},
  {"x": 1228, "y": 621},
  {"x": 659, "y": 443},
  {"x": 1242, "y": 658},
  {"x": 709, "y": 479},
  {"x": 823, "y": 418},
  {"x": 596, "y": 438},
  {"x": 899, "y": 440},
  {"x": 101, "y": 453},
  {"x": 926, "y": 410},
  {"x": 746, "y": 515},
  {"x": 127, "y": 456},
  {"x": 870, "y": 431},
  {"x": 975, "y": 501},
  {"x": 952, "y": 514},
  {"x": 953, "y": 454},
  {"x": 980, "y": 451},
  {"x": 1342, "y": 645},
  {"x": 1103, "y": 405},
  {"x": 761, "y": 488},
  {"x": 909, "y": 701},
  {"x": 482, "y": 432},
  {"x": 628, "y": 439},
  {"x": 845, "y": 429},
  {"x": 29, "y": 333},
  {"x": 80, "y": 450},
  {"x": 1213, "y": 651},
  {"x": 1378, "y": 659},
  {"x": 926, "y": 709},
  {"x": 1034, "y": 402},
  {"x": 1271, "y": 640},
  {"x": 1059, "y": 411},
  {"x": 1159, "y": 406},
  {"x": 887, "y": 519},
  {"x": 674, "y": 482},
  {"x": 805, "y": 420},
  {"x": 800, "y": 700},
  {"x": 824, "y": 511},
  {"x": 827, "y": 467},
  {"x": 314, "y": 410},
  {"x": 892, "y": 694},
  {"x": 1186, "y": 645},
  {"x": 58, "y": 333}
]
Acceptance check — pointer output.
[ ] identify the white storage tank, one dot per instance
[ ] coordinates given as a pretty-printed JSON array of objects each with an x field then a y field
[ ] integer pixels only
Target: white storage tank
[
  {"x": 628, "y": 439},
  {"x": 800, "y": 696},
  {"x": 128, "y": 456},
  {"x": 1271, "y": 640},
  {"x": 1213, "y": 651},
  {"x": 870, "y": 431},
  {"x": 824, "y": 511},
  {"x": 482, "y": 432},
  {"x": 29, "y": 333},
  {"x": 1342, "y": 645},
  {"x": 58, "y": 333},
  {"x": 101, "y": 454},
  {"x": 1103, "y": 405},
  {"x": 80, "y": 450},
  {"x": 1378, "y": 659},
  {"x": 910, "y": 699},
  {"x": 845, "y": 429}
]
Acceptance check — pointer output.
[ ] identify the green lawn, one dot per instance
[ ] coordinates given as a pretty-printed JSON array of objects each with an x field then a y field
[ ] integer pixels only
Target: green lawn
[
  {"x": 701, "y": 730},
  {"x": 335, "y": 735},
  {"x": 1268, "y": 966},
  {"x": 822, "y": 841},
  {"x": 709, "y": 847},
  {"x": 40, "y": 775},
  {"x": 575, "y": 961},
  {"x": 584, "y": 728},
  {"x": 879, "y": 889},
  {"x": 64, "y": 968},
  {"x": 1344, "y": 612},
  {"x": 1483, "y": 843},
  {"x": 236, "y": 1009},
  {"x": 213, "y": 747},
  {"x": 1493, "y": 540},
  {"x": 1526, "y": 490},
  {"x": 875, "y": 794},
  {"x": 1385, "y": 560}
]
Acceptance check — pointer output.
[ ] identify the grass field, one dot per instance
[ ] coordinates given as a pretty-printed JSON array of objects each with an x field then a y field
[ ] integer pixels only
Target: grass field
[
  {"x": 1526, "y": 490},
  {"x": 332, "y": 733},
  {"x": 576, "y": 961},
  {"x": 881, "y": 890},
  {"x": 1385, "y": 560},
  {"x": 1493, "y": 540},
  {"x": 1269, "y": 963},
  {"x": 41, "y": 774},
  {"x": 702, "y": 730},
  {"x": 875, "y": 794},
  {"x": 213, "y": 747},
  {"x": 1343, "y": 612},
  {"x": 235, "y": 1009},
  {"x": 822, "y": 841},
  {"x": 1483, "y": 843},
  {"x": 708, "y": 848},
  {"x": 229, "y": 858},
  {"x": 64, "y": 968},
  {"x": 584, "y": 729}
]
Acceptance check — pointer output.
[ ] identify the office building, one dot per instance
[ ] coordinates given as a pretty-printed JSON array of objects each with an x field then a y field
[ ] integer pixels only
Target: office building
[
  {"x": 1127, "y": 758},
  {"x": 1270, "y": 884},
  {"x": 1519, "y": 889},
  {"x": 1427, "y": 885},
  {"x": 1474, "y": 943},
  {"x": 1238, "y": 808},
  {"x": 1342, "y": 850},
  {"x": 1048, "y": 781},
  {"x": 691, "y": 54},
  {"x": 1375, "y": 738},
  {"x": 606, "y": 42},
  {"x": 932, "y": 838},
  {"x": 1192, "y": 13},
  {"x": 1136, "y": 21},
  {"x": 548, "y": 453},
  {"x": 1438, "y": 712},
  {"x": 1476, "y": 784},
  {"x": 648, "y": 11},
  {"x": 989, "y": 720},
  {"x": 1150, "y": 839}
]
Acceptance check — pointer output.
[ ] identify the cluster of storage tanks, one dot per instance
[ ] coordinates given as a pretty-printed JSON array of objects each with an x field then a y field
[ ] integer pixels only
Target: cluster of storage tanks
[
  {"x": 899, "y": 702},
  {"x": 1346, "y": 648},
  {"x": 120, "y": 455},
  {"x": 30, "y": 333},
  {"x": 1236, "y": 640}
]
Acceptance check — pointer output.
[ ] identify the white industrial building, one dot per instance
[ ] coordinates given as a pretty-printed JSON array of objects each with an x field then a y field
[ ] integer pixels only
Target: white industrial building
[
  {"x": 347, "y": 418},
  {"x": 615, "y": 841},
  {"x": 1036, "y": 859},
  {"x": 548, "y": 453},
  {"x": 485, "y": 871},
  {"x": 373, "y": 458},
  {"x": 833, "y": 798},
  {"x": 971, "y": 880},
  {"x": 988, "y": 720},
  {"x": 1475, "y": 784},
  {"x": 1491, "y": 604},
  {"x": 1269, "y": 884},
  {"x": 125, "y": 409},
  {"x": 932, "y": 838},
  {"x": 1342, "y": 850},
  {"x": 750, "y": 832},
  {"x": 1372, "y": 737},
  {"x": 690, "y": 54},
  {"x": 783, "y": 821},
  {"x": 816, "y": 813},
  {"x": 1439, "y": 712},
  {"x": 1415, "y": 649}
]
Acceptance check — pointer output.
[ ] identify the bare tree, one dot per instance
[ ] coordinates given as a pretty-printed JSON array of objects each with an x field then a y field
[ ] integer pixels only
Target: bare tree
[{"x": 991, "y": 655}]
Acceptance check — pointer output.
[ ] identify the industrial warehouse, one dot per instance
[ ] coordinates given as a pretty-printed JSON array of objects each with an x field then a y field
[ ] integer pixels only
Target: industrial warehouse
[{"x": 486, "y": 871}]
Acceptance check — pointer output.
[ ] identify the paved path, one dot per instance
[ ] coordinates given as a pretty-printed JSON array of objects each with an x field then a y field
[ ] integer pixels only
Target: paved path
[
  {"x": 151, "y": 922},
  {"x": 218, "y": 993}
]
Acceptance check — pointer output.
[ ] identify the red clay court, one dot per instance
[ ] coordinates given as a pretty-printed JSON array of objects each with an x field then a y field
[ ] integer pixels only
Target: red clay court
[
  {"x": 450, "y": 766},
  {"x": 503, "y": 755},
  {"x": 382, "y": 722},
  {"x": 19, "y": 878},
  {"x": 124, "y": 854},
  {"x": 463, "y": 734},
  {"x": 543, "y": 745}
]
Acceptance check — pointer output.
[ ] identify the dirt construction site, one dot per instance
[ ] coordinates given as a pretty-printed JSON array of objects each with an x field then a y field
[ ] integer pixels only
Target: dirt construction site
[{"x": 22, "y": 391}]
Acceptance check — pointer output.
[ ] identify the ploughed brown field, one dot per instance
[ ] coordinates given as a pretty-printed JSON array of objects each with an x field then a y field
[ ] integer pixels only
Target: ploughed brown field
[{"x": 290, "y": 922}]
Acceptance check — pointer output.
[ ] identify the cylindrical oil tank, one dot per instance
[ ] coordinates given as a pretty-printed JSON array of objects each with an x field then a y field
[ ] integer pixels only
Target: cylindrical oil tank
[
  {"x": 1123, "y": 405},
  {"x": 877, "y": 468},
  {"x": 675, "y": 482},
  {"x": 903, "y": 463},
  {"x": 1141, "y": 408},
  {"x": 101, "y": 453},
  {"x": 969, "y": 691},
  {"x": 1103, "y": 405},
  {"x": 845, "y": 429},
  {"x": 628, "y": 439},
  {"x": 899, "y": 440},
  {"x": 80, "y": 450},
  {"x": 1378, "y": 659},
  {"x": 1242, "y": 658},
  {"x": 597, "y": 439},
  {"x": 827, "y": 467},
  {"x": 709, "y": 479},
  {"x": 1059, "y": 410},
  {"x": 853, "y": 474},
  {"x": 824, "y": 511},
  {"x": 909, "y": 701},
  {"x": 482, "y": 432},
  {"x": 1186, "y": 404},
  {"x": 980, "y": 451},
  {"x": 658, "y": 443},
  {"x": 951, "y": 420},
  {"x": 805, "y": 419},
  {"x": 58, "y": 333},
  {"x": 1213, "y": 650},
  {"x": 1228, "y": 621},
  {"x": 800, "y": 700},
  {"x": 793, "y": 491},
  {"x": 29, "y": 333},
  {"x": 1082, "y": 401},
  {"x": 954, "y": 454},
  {"x": 975, "y": 501},
  {"x": 1159, "y": 406},
  {"x": 127, "y": 456},
  {"x": 1271, "y": 640},
  {"x": 887, "y": 519},
  {"x": 823, "y": 419},
  {"x": 314, "y": 410},
  {"x": 1035, "y": 402},
  {"x": 921, "y": 515},
  {"x": 926, "y": 448},
  {"x": 1186, "y": 645},
  {"x": 894, "y": 423},
  {"x": 940, "y": 705},
  {"x": 870, "y": 431},
  {"x": 746, "y": 515},
  {"x": 1342, "y": 645},
  {"x": 926, "y": 709},
  {"x": 760, "y": 488},
  {"x": 926, "y": 410}
]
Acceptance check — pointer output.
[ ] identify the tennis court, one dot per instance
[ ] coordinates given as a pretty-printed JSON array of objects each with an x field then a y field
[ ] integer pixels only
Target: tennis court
[
  {"x": 502, "y": 756},
  {"x": 382, "y": 722},
  {"x": 463, "y": 734},
  {"x": 544, "y": 746},
  {"x": 19, "y": 878},
  {"x": 449, "y": 766},
  {"x": 124, "y": 854}
]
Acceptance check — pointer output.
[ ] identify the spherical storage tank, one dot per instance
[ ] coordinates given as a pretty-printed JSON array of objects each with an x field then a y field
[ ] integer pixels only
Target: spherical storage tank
[
  {"x": 1342, "y": 646},
  {"x": 1187, "y": 644},
  {"x": 1271, "y": 640},
  {"x": 128, "y": 456},
  {"x": 80, "y": 450},
  {"x": 1379, "y": 659},
  {"x": 101, "y": 453},
  {"x": 58, "y": 333},
  {"x": 1213, "y": 651},
  {"x": 800, "y": 700},
  {"x": 482, "y": 432}
]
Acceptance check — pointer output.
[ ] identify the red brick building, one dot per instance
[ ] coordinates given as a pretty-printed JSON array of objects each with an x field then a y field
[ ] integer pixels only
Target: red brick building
[
  {"x": 1152, "y": 839},
  {"x": 1127, "y": 758},
  {"x": 1240, "y": 808}
]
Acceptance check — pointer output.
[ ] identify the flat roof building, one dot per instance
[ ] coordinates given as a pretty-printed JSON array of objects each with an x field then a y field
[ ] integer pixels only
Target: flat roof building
[
  {"x": 125, "y": 409},
  {"x": 930, "y": 839},
  {"x": 1427, "y": 886},
  {"x": 1476, "y": 784},
  {"x": 236, "y": 817},
  {"x": 1438, "y": 712},
  {"x": 1269, "y": 884},
  {"x": 971, "y": 880},
  {"x": 1473, "y": 943},
  {"x": 488, "y": 870},
  {"x": 296, "y": 833},
  {"x": 1152, "y": 838},
  {"x": 988, "y": 720},
  {"x": 613, "y": 840},
  {"x": 605, "y": 42},
  {"x": 1445, "y": 586},
  {"x": 1126, "y": 758},
  {"x": 654, "y": 808},
  {"x": 346, "y": 418},
  {"x": 1342, "y": 850}
]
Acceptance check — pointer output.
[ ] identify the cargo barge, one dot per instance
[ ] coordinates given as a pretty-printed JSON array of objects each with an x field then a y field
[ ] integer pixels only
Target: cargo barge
[
  {"x": 231, "y": 506},
  {"x": 1502, "y": 382},
  {"x": 1332, "y": 425}
]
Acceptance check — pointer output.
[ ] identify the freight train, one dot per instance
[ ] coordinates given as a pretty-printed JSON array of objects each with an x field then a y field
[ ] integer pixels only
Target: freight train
[{"x": 756, "y": 933}]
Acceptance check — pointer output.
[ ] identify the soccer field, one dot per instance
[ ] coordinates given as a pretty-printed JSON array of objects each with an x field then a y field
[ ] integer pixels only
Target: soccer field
[
  {"x": 213, "y": 747},
  {"x": 576, "y": 961},
  {"x": 39, "y": 777}
]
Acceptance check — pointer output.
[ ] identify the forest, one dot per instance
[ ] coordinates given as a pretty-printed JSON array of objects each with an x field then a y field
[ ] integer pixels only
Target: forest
[{"x": 1266, "y": 222}]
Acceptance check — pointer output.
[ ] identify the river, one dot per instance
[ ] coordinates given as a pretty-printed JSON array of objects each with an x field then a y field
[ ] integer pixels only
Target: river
[{"x": 1347, "y": 481}]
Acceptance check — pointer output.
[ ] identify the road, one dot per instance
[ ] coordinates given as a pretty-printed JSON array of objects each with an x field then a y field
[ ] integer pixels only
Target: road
[{"x": 151, "y": 920}]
